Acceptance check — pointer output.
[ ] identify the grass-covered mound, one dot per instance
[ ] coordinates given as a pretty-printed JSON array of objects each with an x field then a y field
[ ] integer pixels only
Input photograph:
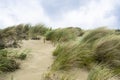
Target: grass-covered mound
[
  {"x": 13, "y": 35},
  {"x": 97, "y": 46},
  {"x": 63, "y": 35}
]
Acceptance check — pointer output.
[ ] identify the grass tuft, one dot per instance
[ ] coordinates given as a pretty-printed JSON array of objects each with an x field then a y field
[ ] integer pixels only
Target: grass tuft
[{"x": 101, "y": 73}]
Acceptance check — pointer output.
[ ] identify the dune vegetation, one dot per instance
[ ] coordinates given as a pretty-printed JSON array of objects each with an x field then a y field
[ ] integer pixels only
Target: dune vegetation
[
  {"x": 63, "y": 35},
  {"x": 97, "y": 50},
  {"x": 10, "y": 38},
  {"x": 98, "y": 46},
  {"x": 101, "y": 73}
]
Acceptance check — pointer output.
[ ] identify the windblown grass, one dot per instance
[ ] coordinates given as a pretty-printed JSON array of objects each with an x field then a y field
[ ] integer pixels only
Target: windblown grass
[
  {"x": 107, "y": 50},
  {"x": 97, "y": 46},
  {"x": 73, "y": 55},
  {"x": 93, "y": 35},
  {"x": 101, "y": 73},
  {"x": 63, "y": 35}
]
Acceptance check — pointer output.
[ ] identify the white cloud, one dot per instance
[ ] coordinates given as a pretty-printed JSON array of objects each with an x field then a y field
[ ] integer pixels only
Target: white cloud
[
  {"x": 93, "y": 14},
  {"x": 23, "y": 12}
]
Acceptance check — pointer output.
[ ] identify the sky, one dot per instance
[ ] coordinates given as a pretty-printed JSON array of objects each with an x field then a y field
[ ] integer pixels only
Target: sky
[{"x": 86, "y": 14}]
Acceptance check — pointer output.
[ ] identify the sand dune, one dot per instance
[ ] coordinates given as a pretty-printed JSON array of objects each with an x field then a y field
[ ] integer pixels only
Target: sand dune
[{"x": 39, "y": 60}]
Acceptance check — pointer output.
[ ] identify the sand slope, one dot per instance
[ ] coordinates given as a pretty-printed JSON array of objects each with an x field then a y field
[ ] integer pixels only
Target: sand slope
[{"x": 39, "y": 60}]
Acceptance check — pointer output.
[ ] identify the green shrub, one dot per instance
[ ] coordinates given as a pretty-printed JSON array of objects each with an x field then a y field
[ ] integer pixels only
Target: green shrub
[
  {"x": 8, "y": 65},
  {"x": 3, "y": 53},
  {"x": 8, "y": 59},
  {"x": 22, "y": 56},
  {"x": 7, "y": 62}
]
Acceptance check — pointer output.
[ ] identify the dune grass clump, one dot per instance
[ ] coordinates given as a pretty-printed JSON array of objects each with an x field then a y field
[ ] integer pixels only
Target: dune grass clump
[
  {"x": 101, "y": 73},
  {"x": 91, "y": 36},
  {"x": 107, "y": 50},
  {"x": 63, "y": 35},
  {"x": 50, "y": 35},
  {"x": 60, "y": 35},
  {"x": 73, "y": 55},
  {"x": 38, "y": 30},
  {"x": 22, "y": 55},
  {"x": 9, "y": 59},
  {"x": 61, "y": 48},
  {"x": 7, "y": 63}
]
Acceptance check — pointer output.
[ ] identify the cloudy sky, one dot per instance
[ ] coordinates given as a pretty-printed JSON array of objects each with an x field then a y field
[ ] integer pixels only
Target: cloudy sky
[{"x": 86, "y": 14}]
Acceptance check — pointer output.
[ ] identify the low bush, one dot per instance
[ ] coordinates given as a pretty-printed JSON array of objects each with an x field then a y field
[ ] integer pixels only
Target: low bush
[
  {"x": 9, "y": 59},
  {"x": 8, "y": 65},
  {"x": 22, "y": 56},
  {"x": 3, "y": 53}
]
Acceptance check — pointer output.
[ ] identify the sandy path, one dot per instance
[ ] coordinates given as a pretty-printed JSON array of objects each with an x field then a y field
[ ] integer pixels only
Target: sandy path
[{"x": 38, "y": 61}]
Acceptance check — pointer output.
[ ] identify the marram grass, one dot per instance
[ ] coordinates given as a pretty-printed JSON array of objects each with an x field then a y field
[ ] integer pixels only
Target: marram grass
[
  {"x": 101, "y": 73},
  {"x": 107, "y": 50}
]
